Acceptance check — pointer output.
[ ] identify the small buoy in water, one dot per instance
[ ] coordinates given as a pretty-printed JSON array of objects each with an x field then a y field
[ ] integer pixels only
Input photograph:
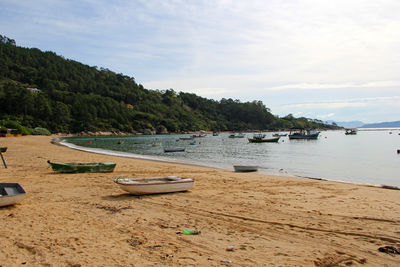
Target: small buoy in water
[
  {"x": 89, "y": 142},
  {"x": 326, "y": 137},
  {"x": 398, "y": 151}
]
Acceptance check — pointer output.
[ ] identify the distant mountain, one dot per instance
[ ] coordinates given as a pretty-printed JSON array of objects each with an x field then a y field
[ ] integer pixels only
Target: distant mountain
[
  {"x": 347, "y": 124},
  {"x": 382, "y": 125}
]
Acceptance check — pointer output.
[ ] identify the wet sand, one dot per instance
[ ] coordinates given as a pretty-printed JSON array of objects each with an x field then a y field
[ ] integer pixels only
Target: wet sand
[{"x": 87, "y": 220}]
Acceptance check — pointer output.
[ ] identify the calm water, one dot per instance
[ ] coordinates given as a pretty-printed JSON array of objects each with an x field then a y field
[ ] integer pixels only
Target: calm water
[{"x": 370, "y": 157}]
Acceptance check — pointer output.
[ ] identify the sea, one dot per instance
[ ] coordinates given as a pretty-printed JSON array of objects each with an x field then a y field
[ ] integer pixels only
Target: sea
[{"x": 369, "y": 157}]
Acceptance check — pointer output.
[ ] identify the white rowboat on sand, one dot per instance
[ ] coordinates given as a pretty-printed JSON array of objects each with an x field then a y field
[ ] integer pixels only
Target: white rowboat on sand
[
  {"x": 154, "y": 185},
  {"x": 11, "y": 193}
]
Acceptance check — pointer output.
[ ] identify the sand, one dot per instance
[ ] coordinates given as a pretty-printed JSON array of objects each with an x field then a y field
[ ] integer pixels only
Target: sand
[{"x": 246, "y": 219}]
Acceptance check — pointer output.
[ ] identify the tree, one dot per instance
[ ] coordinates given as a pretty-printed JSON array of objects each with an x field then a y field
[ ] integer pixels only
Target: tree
[{"x": 76, "y": 97}]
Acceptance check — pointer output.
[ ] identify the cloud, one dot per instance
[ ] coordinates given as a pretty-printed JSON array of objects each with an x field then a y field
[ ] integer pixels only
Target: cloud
[
  {"x": 324, "y": 116},
  {"x": 335, "y": 105},
  {"x": 313, "y": 86},
  {"x": 351, "y": 103},
  {"x": 292, "y": 55}
]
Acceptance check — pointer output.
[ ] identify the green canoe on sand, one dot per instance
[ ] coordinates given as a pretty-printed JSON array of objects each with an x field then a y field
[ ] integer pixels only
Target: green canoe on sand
[{"x": 82, "y": 167}]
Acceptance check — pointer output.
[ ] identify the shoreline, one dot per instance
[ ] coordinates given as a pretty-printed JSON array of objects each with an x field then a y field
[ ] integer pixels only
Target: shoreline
[
  {"x": 101, "y": 151},
  {"x": 122, "y": 154},
  {"x": 248, "y": 219}
]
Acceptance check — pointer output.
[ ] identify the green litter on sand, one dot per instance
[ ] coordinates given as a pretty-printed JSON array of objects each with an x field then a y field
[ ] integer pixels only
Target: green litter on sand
[{"x": 190, "y": 232}]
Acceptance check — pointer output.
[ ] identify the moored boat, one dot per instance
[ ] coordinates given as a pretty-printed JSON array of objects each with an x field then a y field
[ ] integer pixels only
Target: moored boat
[
  {"x": 199, "y": 135},
  {"x": 11, "y": 193},
  {"x": 154, "y": 185},
  {"x": 240, "y": 135},
  {"x": 186, "y": 138},
  {"x": 303, "y": 134},
  {"x": 280, "y": 134},
  {"x": 174, "y": 149},
  {"x": 245, "y": 168},
  {"x": 260, "y": 138},
  {"x": 82, "y": 167},
  {"x": 350, "y": 132},
  {"x": 264, "y": 140}
]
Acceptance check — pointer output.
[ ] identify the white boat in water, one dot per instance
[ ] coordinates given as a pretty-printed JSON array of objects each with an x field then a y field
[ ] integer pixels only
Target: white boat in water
[
  {"x": 11, "y": 193},
  {"x": 245, "y": 168},
  {"x": 239, "y": 135},
  {"x": 279, "y": 134},
  {"x": 154, "y": 185}
]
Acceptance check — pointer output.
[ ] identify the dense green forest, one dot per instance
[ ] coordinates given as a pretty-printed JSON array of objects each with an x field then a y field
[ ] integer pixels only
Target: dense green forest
[{"x": 42, "y": 89}]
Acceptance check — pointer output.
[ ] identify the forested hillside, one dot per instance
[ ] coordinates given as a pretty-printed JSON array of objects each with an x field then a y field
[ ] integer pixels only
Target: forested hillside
[{"x": 42, "y": 89}]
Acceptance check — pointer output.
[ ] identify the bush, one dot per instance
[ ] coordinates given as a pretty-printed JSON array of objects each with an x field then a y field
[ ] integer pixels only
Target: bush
[
  {"x": 17, "y": 128},
  {"x": 24, "y": 130},
  {"x": 40, "y": 131}
]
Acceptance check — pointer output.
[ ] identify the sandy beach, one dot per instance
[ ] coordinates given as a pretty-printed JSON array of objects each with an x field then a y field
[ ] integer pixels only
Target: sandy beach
[{"x": 245, "y": 219}]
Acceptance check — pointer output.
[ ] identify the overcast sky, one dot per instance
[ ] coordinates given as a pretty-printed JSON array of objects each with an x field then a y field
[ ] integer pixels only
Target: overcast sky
[{"x": 324, "y": 59}]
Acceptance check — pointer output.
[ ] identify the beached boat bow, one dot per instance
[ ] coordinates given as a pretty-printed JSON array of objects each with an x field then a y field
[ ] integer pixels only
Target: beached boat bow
[{"x": 11, "y": 193}]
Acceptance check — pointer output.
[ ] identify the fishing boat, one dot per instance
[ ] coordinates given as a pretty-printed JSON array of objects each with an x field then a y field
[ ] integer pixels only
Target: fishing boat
[
  {"x": 154, "y": 185},
  {"x": 264, "y": 140},
  {"x": 174, "y": 149},
  {"x": 260, "y": 138},
  {"x": 351, "y": 132},
  {"x": 82, "y": 167},
  {"x": 303, "y": 134},
  {"x": 199, "y": 135},
  {"x": 11, "y": 193},
  {"x": 245, "y": 168},
  {"x": 240, "y": 135}
]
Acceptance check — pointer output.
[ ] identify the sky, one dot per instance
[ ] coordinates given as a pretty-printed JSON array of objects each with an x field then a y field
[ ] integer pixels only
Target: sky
[{"x": 321, "y": 59}]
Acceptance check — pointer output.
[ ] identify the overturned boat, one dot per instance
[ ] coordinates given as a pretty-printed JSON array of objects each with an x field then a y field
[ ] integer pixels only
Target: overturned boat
[{"x": 245, "y": 168}]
